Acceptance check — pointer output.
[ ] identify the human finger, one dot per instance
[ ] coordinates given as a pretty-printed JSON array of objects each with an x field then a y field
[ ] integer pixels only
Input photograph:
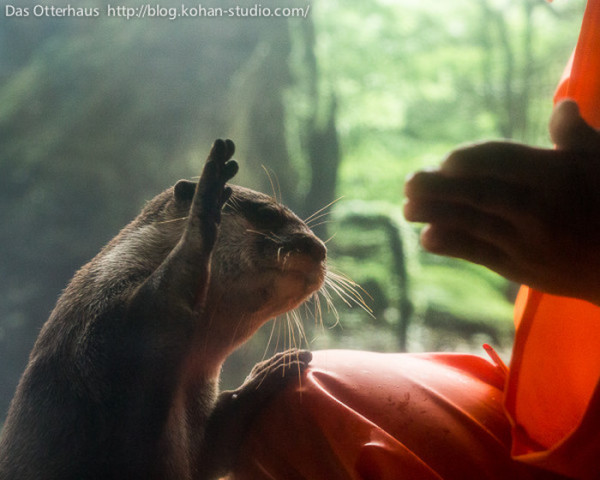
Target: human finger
[
  {"x": 475, "y": 223},
  {"x": 459, "y": 244},
  {"x": 546, "y": 272},
  {"x": 483, "y": 194},
  {"x": 507, "y": 161}
]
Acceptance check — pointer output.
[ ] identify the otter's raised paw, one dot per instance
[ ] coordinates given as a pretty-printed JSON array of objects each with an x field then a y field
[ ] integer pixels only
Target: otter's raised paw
[{"x": 218, "y": 170}]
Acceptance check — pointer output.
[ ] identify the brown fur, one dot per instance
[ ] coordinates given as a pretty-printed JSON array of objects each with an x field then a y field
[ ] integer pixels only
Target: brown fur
[{"x": 122, "y": 381}]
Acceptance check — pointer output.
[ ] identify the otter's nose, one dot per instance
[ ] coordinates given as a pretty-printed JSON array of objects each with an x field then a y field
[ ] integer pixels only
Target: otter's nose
[{"x": 310, "y": 245}]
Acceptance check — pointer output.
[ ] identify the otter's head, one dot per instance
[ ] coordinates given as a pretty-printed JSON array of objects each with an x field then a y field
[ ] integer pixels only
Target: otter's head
[
  {"x": 266, "y": 261},
  {"x": 266, "y": 255}
]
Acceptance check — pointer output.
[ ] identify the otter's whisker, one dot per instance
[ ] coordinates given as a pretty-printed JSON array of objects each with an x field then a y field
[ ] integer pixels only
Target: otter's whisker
[
  {"x": 278, "y": 189},
  {"x": 268, "y": 235},
  {"x": 347, "y": 290},
  {"x": 263, "y": 234},
  {"x": 180, "y": 219},
  {"x": 301, "y": 330},
  {"x": 270, "y": 176},
  {"x": 316, "y": 313},
  {"x": 270, "y": 339},
  {"x": 340, "y": 291},
  {"x": 311, "y": 222},
  {"x": 315, "y": 225},
  {"x": 275, "y": 237},
  {"x": 310, "y": 217},
  {"x": 278, "y": 338},
  {"x": 330, "y": 305},
  {"x": 234, "y": 204},
  {"x": 348, "y": 283},
  {"x": 294, "y": 320},
  {"x": 290, "y": 334},
  {"x": 239, "y": 323},
  {"x": 318, "y": 310},
  {"x": 330, "y": 239},
  {"x": 297, "y": 323}
]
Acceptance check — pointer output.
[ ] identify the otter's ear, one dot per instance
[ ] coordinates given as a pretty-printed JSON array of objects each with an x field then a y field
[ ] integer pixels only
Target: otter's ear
[{"x": 184, "y": 190}]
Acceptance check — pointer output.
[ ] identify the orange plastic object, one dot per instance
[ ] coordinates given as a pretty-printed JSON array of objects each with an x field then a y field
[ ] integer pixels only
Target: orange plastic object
[
  {"x": 362, "y": 415},
  {"x": 553, "y": 392}
]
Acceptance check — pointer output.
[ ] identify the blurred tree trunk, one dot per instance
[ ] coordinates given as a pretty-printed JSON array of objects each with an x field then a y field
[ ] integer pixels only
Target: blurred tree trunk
[
  {"x": 322, "y": 146},
  {"x": 507, "y": 91},
  {"x": 324, "y": 159},
  {"x": 257, "y": 116}
]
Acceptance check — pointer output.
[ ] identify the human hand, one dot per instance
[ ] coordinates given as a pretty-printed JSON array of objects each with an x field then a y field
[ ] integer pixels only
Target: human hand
[{"x": 530, "y": 214}]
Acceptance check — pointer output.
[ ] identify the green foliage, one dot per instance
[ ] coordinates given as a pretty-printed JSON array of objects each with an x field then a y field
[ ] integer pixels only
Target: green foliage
[{"x": 444, "y": 71}]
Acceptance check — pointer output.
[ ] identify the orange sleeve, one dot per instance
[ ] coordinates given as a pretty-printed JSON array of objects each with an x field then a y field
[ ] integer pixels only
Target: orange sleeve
[{"x": 553, "y": 389}]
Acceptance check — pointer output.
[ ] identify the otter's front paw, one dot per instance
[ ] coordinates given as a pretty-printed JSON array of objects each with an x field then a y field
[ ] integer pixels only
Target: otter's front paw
[
  {"x": 218, "y": 170},
  {"x": 236, "y": 410},
  {"x": 270, "y": 375}
]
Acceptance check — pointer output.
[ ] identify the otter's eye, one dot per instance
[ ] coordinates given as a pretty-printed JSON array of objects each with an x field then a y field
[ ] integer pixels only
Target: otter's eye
[{"x": 270, "y": 216}]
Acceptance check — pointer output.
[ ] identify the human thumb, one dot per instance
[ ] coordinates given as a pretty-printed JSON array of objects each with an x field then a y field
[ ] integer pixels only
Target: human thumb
[{"x": 569, "y": 131}]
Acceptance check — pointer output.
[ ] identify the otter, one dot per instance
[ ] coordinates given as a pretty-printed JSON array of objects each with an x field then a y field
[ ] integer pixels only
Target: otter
[{"x": 122, "y": 382}]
